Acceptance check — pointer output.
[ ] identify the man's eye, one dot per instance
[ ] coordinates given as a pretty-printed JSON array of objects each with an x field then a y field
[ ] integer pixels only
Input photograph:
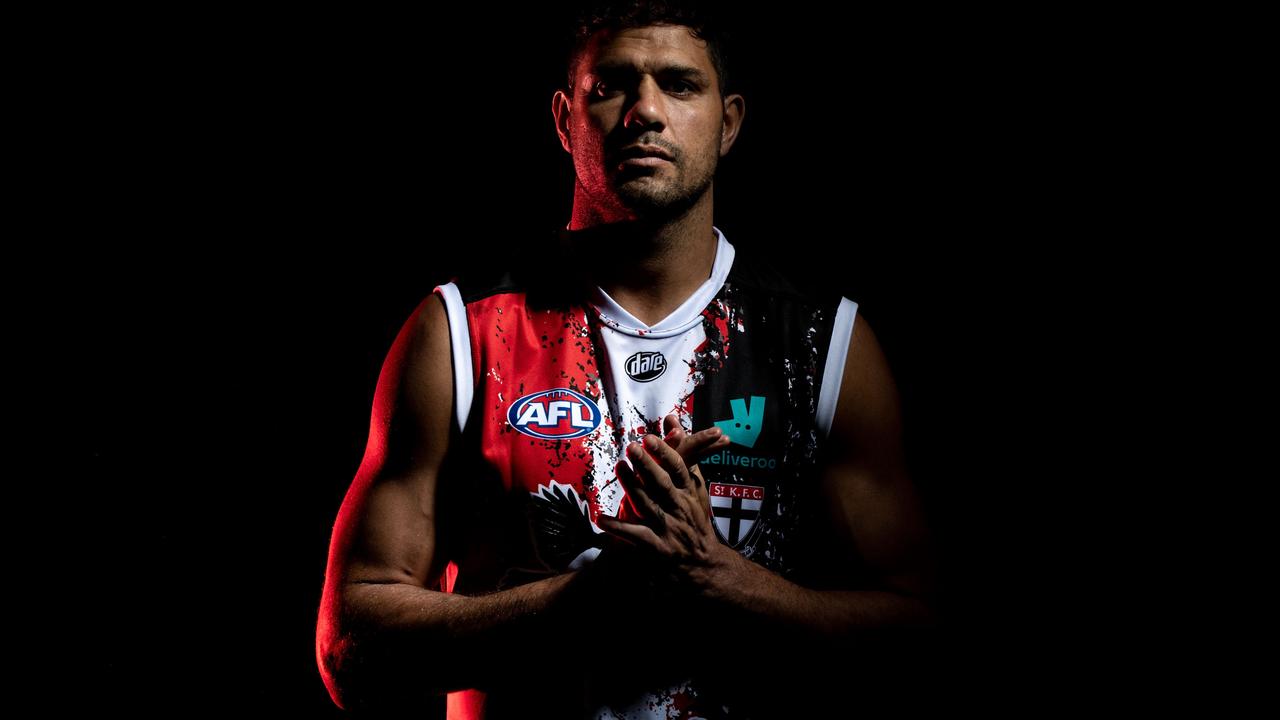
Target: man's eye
[
  {"x": 601, "y": 88},
  {"x": 682, "y": 86}
]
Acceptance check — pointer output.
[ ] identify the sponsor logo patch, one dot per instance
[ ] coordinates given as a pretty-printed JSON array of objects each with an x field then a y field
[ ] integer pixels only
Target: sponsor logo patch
[
  {"x": 744, "y": 428},
  {"x": 645, "y": 366},
  {"x": 556, "y": 414}
]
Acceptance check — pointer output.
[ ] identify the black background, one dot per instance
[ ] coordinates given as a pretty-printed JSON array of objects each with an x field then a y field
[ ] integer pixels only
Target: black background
[{"x": 266, "y": 199}]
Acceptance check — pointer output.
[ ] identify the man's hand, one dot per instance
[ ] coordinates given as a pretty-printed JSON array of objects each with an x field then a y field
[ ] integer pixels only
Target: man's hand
[
  {"x": 670, "y": 493},
  {"x": 693, "y": 448}
]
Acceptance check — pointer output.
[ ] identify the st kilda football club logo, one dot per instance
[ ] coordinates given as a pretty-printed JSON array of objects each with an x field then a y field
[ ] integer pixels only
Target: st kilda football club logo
[
  {"x": 646, "y": 366},
  {"x": 736, "y": 509}
]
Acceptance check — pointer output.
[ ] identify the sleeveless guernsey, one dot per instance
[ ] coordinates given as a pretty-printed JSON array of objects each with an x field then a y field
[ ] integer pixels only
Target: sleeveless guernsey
[{"x": 553, "y": 379}]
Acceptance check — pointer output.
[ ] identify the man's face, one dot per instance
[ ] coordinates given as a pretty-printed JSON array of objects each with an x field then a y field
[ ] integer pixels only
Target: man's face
[{"x": 639, "y": 91}]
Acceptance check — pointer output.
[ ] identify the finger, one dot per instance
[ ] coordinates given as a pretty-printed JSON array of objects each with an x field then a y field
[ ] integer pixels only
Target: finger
[
  {"x": 692, "y": 447},
  {"x": 672, "y": 430},
  {"x": 657, "y": 481},
  {"x": 640, "y": 497},
  {"x": 700, "y": 484},
  {"x": 633, "y": 532},
  {"x": 675, "y": 435},
  {"x": 696, "y": 475},
  {"x": 697, "y": 445},
  {"x": 670, "y": 461},
  {"x": 700, "y": 444},
  {"x": 707, "y": 441}
]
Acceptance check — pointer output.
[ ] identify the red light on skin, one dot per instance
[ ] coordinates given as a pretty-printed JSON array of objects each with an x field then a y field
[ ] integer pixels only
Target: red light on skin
[
  {"x": 329, "y": 637},
  {"x": 627, "y": 510}
]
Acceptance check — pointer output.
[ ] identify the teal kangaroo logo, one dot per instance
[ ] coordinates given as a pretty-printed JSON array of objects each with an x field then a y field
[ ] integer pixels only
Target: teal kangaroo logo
[{"x": 744, "y": 428}]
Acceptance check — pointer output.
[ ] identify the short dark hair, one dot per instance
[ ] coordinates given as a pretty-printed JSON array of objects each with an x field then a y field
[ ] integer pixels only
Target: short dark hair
[{"x": 705, "y": 20}]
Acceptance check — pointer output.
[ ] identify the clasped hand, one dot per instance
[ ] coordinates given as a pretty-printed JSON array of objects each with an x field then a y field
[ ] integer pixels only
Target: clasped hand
[{"x": 672, "y": 499}]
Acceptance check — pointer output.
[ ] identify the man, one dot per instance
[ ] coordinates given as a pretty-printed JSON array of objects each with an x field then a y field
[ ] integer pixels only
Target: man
[{"x": 665, "y": 472}]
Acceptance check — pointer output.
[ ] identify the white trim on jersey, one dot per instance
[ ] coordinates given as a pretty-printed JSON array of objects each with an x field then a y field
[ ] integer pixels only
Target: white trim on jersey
[
  {"x": 833, "y": 373},
  {"x": 682, "y": 318},
  {"x": 460, "y": 343}
]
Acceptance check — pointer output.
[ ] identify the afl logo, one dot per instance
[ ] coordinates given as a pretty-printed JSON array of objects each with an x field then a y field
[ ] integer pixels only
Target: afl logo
[
  {"x": 646, "y": 366},
  {"x": 556, "y": 414}
]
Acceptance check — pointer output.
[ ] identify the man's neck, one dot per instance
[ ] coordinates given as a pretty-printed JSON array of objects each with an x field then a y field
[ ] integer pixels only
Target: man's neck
[{"x": 648, "y": 268}]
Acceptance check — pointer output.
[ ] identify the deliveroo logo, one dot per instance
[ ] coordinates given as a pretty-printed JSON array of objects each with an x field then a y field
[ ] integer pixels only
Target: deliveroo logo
[{"x": 744, "y": 428}]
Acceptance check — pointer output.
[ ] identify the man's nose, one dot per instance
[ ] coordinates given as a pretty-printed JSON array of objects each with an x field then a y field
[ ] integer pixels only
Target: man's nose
[{"x": 648, "y": 108}]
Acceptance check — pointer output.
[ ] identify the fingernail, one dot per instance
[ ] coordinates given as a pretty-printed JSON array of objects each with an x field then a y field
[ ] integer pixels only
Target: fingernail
[{"x": 635, "y": 450}]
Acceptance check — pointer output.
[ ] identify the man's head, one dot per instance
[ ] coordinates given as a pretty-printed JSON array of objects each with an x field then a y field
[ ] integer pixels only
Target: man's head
[
  {"x": 701, "y": 18},
  {"x": 646, "y": 114}
]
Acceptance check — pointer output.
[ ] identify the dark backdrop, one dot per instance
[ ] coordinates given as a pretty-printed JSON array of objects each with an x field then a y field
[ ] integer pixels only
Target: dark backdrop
[{"x": 266, "y": 199}]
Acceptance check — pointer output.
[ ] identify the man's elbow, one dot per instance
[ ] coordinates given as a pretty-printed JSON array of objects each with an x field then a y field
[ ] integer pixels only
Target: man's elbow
[
  {"x": 344, "y": 668},
  {"x": 332, "y": 657},
  {"x": 360, "y": 678},
  {"x": 367, "y": 671}
]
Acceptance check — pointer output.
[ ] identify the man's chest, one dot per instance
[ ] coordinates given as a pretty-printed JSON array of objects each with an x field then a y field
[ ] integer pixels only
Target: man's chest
[{"x": 563, "y": 399}]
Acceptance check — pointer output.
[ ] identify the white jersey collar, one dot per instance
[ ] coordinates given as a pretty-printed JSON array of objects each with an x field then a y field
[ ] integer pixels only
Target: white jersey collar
[{"x": 682, "y": 318}]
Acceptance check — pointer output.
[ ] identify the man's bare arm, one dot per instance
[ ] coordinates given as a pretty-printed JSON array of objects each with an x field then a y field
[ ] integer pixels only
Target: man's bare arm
[
  {"x": 873, "y": 511},
  {"x": 386, "y": 636}
]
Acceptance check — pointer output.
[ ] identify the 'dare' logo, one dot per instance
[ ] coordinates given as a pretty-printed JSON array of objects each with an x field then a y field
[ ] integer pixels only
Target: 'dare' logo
[{"x": 645, "y": 366}]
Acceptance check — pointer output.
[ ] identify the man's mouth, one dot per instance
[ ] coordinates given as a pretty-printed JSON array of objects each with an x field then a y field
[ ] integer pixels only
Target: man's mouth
[
  {"x": 643, "y": 156},
  {"x": 643, "y": 161},
  {"x": 640, "y": 152}
]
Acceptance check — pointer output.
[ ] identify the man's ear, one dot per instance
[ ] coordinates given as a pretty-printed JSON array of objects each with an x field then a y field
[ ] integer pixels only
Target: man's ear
[
  {"x": 562, "y": 110},
  {"x": 735, "y": 109}
]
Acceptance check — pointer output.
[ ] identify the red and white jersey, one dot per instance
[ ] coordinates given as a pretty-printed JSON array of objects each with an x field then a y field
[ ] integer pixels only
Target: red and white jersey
[{"x": 553, "y": 380}]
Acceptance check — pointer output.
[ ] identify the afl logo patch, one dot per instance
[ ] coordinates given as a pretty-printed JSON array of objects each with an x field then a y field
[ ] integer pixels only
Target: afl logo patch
[
  {"x": 646, "y": 366},
  {"x": 556, "y": 414}
]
